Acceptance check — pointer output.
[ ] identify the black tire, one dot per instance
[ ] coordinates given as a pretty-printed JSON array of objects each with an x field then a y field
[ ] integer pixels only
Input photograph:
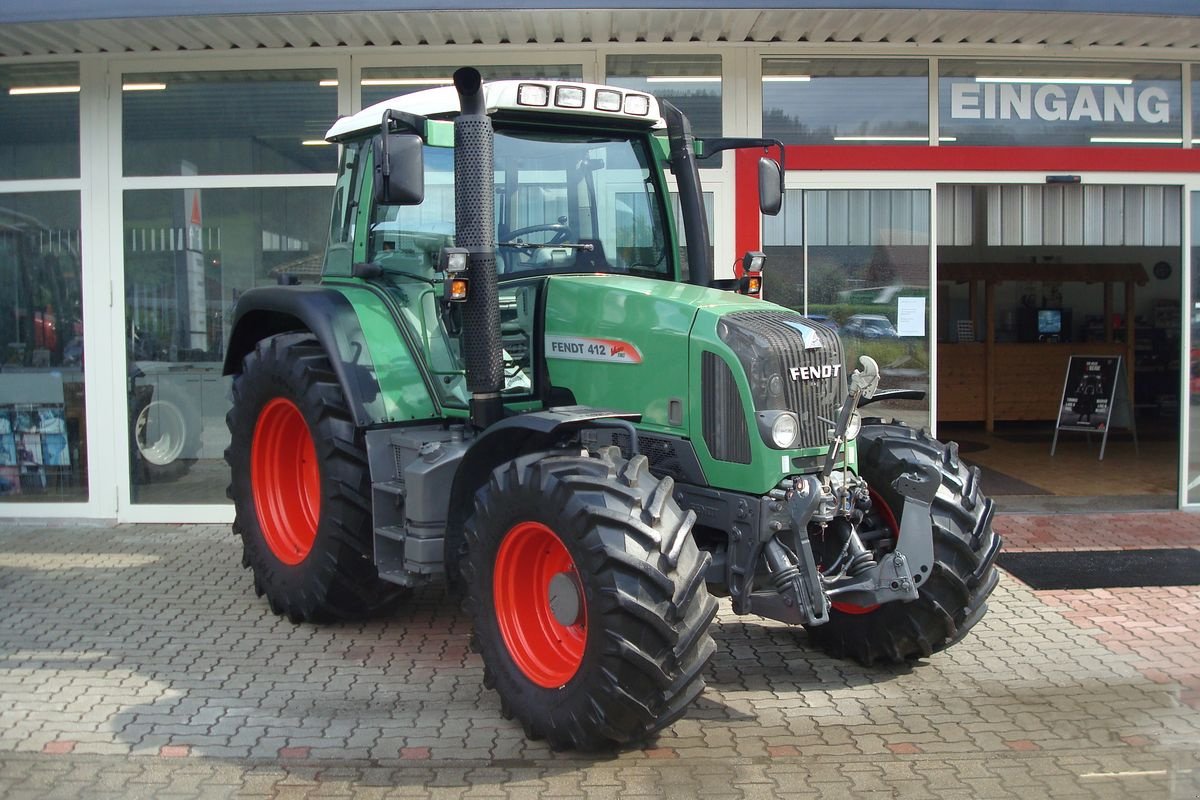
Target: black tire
[
  {"x": 955, "y": 595},
  {"x": 641, "y": 577},
  {"x": 336, "y": 578}
]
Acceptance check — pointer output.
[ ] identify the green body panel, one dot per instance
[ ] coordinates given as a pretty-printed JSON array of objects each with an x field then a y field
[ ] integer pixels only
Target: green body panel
[
  {"x": 670, "y": 325},
  {"x": 402, "y": 386}
]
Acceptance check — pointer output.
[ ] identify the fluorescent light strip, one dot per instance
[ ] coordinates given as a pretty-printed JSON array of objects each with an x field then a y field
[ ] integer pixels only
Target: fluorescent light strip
[
  {"x": 328, "y": 82},
  {"x": 1070, "y": 81},
  {"x": 314, "y": 142},
  {"x": 406, "y": 81},
  {"x": 882, "y": 139},
  {"x": 787, "y": 78},
  {"x": 19, "y": 90},
  {"x": 684, "y": 79},
  {"x": 143, "y": 87},
  {"x": 1134, "y": 140}
]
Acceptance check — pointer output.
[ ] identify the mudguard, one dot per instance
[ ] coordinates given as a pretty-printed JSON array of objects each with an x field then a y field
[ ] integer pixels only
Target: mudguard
[
  {"x": 509, "y": 438},
  {"x": 331, "y": 317}
]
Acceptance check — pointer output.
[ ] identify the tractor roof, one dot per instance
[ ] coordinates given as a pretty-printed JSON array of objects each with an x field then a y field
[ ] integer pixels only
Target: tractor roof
[{"x": 560, "y": 97}]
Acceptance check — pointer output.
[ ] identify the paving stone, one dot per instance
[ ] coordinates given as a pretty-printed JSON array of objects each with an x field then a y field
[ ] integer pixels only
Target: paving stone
[{"x": 1050, "y": 687}]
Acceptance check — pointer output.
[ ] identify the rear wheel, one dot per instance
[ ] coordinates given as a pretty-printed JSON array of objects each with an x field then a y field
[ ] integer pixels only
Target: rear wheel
[
  {"x": 300, "y": 486},
  {"x": 588, "y": 600},
  {"x": 964, "y": 546}
]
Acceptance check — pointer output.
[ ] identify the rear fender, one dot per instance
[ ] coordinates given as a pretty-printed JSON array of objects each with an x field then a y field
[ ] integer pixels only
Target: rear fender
[{"x": 335, "y": 322}]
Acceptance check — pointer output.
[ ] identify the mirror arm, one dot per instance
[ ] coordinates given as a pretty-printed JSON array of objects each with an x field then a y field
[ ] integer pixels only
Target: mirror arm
[{"x": 714, "y": 146}]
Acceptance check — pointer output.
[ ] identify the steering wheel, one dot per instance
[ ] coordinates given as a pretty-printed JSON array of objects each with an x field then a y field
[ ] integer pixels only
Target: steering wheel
[
  {"x": 562, "y": 233},
  {"x": 528, "y": 256}
]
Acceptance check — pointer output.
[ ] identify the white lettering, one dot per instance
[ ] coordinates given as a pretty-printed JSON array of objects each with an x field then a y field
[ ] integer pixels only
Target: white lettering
[
  {"x": 795, "y": 373},
  {"x": 989, "y": 101},
  {"x": 1154, "y": 112},
  {"x": 1118, "y": 100},
  {"x": 1047, "y": 110},
  {"x": 1054, "y": 103},
  {"x": 964, "y": 101},
  {"x": 1085, "y": 105},
  {"x": 1016, "y": 99}
]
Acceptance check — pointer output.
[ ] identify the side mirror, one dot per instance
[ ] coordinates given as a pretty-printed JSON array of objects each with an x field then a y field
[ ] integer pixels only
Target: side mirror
[
  {"x": 770, "y": 186},
  {"x": 399, "y": 169}
]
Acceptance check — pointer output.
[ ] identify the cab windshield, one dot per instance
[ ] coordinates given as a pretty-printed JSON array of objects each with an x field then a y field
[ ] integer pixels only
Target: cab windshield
[{"x": 565, "y": 203}]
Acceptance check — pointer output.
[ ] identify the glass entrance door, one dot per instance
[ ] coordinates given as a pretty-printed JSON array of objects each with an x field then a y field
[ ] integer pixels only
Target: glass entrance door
[{"x": 858, "y": 260}]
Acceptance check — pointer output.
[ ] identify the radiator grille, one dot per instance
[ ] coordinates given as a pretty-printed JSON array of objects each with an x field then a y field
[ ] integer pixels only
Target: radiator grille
[
  {"x": 724, "y": 417},
  {"x": 775, "y": 346}
]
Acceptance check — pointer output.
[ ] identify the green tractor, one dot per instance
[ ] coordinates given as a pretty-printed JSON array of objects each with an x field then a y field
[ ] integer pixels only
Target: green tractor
[{"x": 504, "y": 380}]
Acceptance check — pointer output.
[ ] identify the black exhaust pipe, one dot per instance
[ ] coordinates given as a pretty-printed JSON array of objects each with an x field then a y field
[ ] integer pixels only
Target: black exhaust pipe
[{"x": 475, "y": 230}]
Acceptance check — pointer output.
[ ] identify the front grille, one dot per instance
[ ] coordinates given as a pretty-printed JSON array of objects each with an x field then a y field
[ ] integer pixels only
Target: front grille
[
  {"x": 723, "y": 420},
  {"x": 772, "y": 346}
]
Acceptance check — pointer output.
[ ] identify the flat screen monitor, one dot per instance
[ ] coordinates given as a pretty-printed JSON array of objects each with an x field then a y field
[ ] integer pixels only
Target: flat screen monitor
[{"x": 1049, "y": 321}]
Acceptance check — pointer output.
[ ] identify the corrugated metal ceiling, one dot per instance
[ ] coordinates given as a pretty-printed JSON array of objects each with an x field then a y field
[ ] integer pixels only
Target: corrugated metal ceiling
[{"x": 1138, "y": 34}]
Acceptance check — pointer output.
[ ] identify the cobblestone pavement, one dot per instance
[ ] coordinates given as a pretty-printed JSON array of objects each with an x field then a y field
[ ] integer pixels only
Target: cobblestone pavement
[{"x": 135, "y": 661}]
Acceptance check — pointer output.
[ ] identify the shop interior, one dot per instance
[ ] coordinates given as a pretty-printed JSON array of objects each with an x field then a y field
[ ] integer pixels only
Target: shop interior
[{"x": 1032, "y": 279}]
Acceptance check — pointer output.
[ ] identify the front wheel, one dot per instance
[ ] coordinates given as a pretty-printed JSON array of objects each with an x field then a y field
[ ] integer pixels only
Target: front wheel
[
  {"x": 587, "y": 596},
  {"x": 964, "y": 548}
]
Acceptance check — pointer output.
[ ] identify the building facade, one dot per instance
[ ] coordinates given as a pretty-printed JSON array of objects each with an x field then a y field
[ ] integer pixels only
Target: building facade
[{"x": 155, "y": 164}]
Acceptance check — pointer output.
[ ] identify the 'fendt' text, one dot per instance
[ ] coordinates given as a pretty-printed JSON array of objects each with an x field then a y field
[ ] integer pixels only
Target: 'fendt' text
[{"x": 815, "y": 373}]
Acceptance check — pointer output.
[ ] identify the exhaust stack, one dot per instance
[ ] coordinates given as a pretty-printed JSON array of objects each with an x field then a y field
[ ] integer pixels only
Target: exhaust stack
[{"x": 475, "y": 230}]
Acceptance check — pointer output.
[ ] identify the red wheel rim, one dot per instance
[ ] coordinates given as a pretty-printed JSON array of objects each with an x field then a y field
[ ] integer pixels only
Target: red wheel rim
[
  {"x": 543, "y": 648},
  {"x": 889, "y": 521},
  {"x": 285, "y": 480}
]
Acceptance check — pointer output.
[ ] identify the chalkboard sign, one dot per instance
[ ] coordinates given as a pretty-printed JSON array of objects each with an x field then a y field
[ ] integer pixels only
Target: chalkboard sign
[{"x": 1095, "y": 398}]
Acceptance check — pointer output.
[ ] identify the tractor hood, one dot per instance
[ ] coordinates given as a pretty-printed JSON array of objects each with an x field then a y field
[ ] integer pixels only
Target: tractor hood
[
  {"x": 702, "y": 364},
  {"x": 622, "y": 342}
]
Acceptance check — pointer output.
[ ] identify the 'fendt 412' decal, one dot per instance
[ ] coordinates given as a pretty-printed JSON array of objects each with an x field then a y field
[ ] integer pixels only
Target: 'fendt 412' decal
[{"x": 583, "y": 348}]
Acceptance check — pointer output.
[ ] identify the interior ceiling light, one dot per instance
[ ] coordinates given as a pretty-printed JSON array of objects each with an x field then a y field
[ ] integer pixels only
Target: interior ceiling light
[
  {"x": 683, "y": 79},
  {"x": 787, "y": 78},
  {"x": 1070, "y": 81},
  {"x": 314, "y": 142},
  {"x": 406, "y": 81},
  {"x": 882, "y": 139},
  {"x": 1134, "y": 140},
  {"x": 328, "y": 82},
  {"x": 143, "y": 87},
  {"x": 18, "y": 90}
]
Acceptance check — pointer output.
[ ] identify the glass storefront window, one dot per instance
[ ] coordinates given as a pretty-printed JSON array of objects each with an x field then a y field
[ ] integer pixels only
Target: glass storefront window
[
  {"x": 189, "y": 255},
  {"x": 690, "y": 82},
  {"x": 846, "y": 101},
  {"x": 382, "y": 83},
  {"x": 1059, "y": 104},
  {"x": 223, "y": 123},
  {"x": 855, "y": 259},
  {"x": 39, "y": 106},
  {"x": 43, "y": 427}
]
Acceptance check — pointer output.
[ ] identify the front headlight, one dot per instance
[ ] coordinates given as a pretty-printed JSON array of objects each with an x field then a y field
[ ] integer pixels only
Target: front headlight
[{"x": 784, "y": 430}]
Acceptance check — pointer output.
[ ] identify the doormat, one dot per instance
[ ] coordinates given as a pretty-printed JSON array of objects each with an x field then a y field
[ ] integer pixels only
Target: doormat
[
  {"x": 1105, "y": 569},
  {"x": 997, "y": 484}
]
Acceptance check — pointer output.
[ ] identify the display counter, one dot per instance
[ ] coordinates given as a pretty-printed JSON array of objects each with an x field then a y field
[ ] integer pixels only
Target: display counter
[{"x": 1027, "y": 379}]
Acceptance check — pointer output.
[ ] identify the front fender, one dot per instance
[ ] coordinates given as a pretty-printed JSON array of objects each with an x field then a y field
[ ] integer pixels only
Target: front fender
[{"x": 509, "y": 438}]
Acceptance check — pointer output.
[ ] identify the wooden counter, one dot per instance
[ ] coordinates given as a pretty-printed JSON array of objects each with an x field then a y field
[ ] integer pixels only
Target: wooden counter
[
  {"x": 990, "y": 380},
  {"x": 1027, "y": 379}
]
